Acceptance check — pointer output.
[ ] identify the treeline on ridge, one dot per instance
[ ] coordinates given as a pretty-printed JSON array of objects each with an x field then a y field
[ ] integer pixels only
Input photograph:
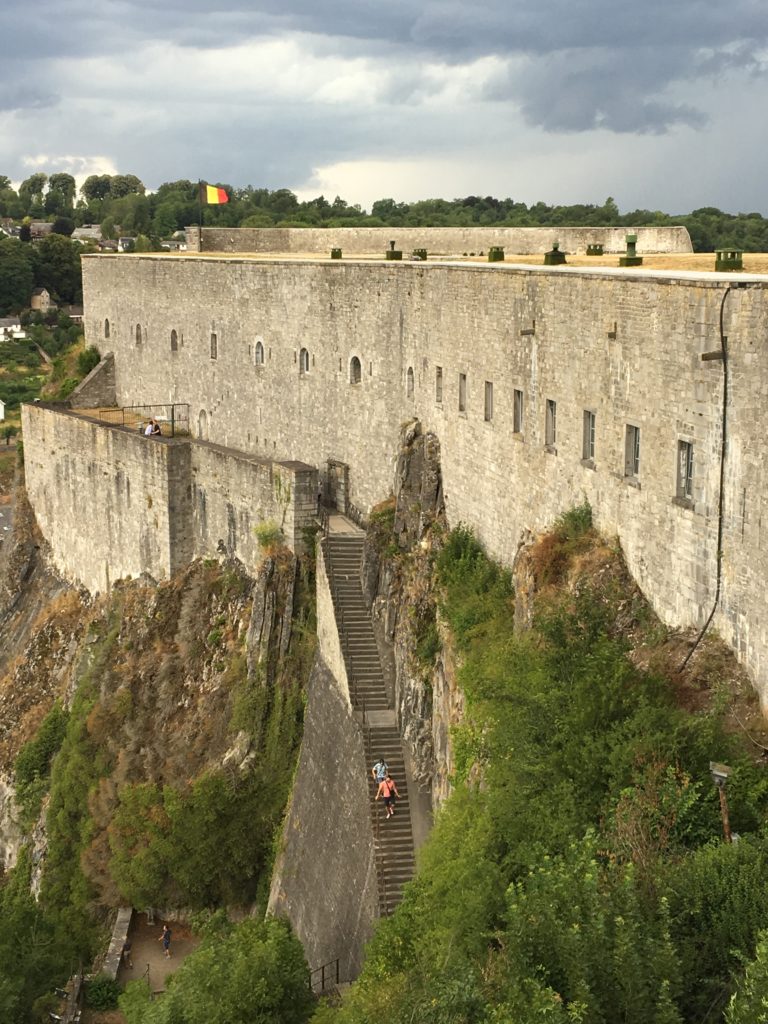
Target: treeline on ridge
[{"x": 121, "y": 201}]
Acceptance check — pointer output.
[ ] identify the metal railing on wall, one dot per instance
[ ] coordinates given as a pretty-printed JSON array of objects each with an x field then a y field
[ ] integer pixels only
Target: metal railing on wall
[
  {"x": 172, "y": 418},
  {"x": 325, "y": 976}
]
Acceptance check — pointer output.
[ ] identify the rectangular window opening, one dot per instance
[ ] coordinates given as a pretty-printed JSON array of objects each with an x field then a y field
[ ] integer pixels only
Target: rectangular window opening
[
  {"x": 214, "y": 347},
  {"x": 489, "y": 401},
  {"x": 550, "y": 426},
  {"x": 517, "y": 412},
  {"x": 588, "y": 441},
  {"x": 685, "y": 470},
  {"x": 462, "y": 392},
  {"x": 439, "y": 384},
  {"x": 632, "y": 452}
]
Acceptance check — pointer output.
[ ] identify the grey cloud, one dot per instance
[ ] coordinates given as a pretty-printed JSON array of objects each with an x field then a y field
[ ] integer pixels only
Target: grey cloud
[{"x": 18, "y": 97}]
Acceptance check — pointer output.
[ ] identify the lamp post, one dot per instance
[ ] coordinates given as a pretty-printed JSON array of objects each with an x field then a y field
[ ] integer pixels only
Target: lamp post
[{"x": 720, "y": 773}]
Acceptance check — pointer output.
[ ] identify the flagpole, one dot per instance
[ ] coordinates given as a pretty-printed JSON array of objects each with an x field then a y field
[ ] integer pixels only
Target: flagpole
[{"x": 200, "y": 215}]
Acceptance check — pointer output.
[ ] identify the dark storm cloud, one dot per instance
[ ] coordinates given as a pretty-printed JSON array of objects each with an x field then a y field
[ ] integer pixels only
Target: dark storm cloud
[{"x": 587, "y": 63}]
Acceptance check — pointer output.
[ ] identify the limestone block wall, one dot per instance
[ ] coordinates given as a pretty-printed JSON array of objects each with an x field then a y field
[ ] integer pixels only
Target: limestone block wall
[
  {"x": 328, "y": 640},
  {"x": 452, "y": 345},
  {"x": 104, "y": 498},
  {"x": 324, "y": 879},
  {"x": 112, "y": 503},
  {"x": 438, "y": 241},
  {"x": 98, "y": 388},
  {"x": 233, "y": 492}
]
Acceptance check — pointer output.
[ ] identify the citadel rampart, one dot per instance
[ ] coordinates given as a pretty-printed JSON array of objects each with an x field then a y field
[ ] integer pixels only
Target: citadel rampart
[
  {"x": 545, "y": 387},
  {"x": 114, "y": 504},
  {"x": 441, "y": 241}
]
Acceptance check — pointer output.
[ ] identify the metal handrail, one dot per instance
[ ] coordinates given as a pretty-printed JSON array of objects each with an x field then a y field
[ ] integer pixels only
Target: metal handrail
[{"x": 322, "y": 972}]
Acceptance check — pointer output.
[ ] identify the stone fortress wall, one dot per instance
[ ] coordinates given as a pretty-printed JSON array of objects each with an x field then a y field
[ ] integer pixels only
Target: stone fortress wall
[
  {"x": 114, "y": 504},
  {"x": 440, "y": 241},
  {"x": 324, "y": 361}
]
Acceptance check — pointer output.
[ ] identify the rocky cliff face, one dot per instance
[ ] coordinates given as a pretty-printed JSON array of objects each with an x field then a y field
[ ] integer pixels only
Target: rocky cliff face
[
  {"x": 188, "y": 676},
  {"x": 403, "y": 537}
]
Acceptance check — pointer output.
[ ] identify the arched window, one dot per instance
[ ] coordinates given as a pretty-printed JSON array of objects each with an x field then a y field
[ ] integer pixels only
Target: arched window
[
  {"x": 355, "y": 371},
  {"x": 409, "y": 382},
  {"x": 138, "y": 334},
  {"x": 174, "y": 341},
  {"x": 258, "y": 354},
  {"x": 106, "y": 328},
  {"x": 304, "y": 361},
  {"x": 202, "y": 425}
]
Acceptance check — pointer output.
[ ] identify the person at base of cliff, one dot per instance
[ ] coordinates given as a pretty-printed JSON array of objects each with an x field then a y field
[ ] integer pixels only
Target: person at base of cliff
[
  {"x": 165, "y": 938},
  {"x": 388, "y": 791},
  {"x": 379, "y": 770},
  {"x": 126, "y": 954}
]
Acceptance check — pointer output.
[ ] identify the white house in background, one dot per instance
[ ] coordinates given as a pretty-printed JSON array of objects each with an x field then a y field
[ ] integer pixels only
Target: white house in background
[
  {"x": 11, "y": 329},
  {"x": 2, "y": 410}
]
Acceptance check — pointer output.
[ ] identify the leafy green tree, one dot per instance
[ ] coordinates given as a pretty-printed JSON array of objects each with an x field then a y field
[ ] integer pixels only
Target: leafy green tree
[
  {"x": 57, "y": 268},
  {"x": 749, "y": 1004},
  {"x": 31, "y": 190},
  {"x": 96, "y": 187},
  {"x": 242, "y": 974},
  {"x": 124, "y": 185},
  {"x": 16, "y": 275},
  {"x": 64, "y": 185},
  {"x": 63, "y": 226}
]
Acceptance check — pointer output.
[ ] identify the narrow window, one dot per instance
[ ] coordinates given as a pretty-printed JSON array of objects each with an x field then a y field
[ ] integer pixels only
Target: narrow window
[
  {"x": 517, "y": 412},
  {"x": 588, "y": 440},
  {"x": 632, "y": 452},
  {"x": 355, "y": 371},
  {"x": 106, "y": 328},
  {"x": 462, "y": 392},
  {"x": 258, "y": 354},
  {"x": 488, "y": 401},
  {"x": 214, "y": 347},
  {"x": 174, "y": 341},
  {"x": 138, "y": 334},
  {"x": 409, "y": 382},
  {"x": 439, "y": 384},
  {"x": 685, "y": 470},
  {"x": 550, "y": 426},
  {"x": 304, "y": 361}
]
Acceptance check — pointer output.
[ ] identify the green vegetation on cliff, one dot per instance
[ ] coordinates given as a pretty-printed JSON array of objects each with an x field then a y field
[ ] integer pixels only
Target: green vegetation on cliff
[
  {"x": 240, "y": 974},
  {"x": 168, "y": 774},
  {"x": 578, "y": 872}
]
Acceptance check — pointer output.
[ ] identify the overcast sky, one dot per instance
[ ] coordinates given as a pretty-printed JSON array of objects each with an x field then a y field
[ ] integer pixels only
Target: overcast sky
[{"x": 658, "y": 103}]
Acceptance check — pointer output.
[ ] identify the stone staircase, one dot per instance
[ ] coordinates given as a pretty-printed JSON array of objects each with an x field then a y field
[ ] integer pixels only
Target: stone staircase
[{"x": 393, "y": 838}]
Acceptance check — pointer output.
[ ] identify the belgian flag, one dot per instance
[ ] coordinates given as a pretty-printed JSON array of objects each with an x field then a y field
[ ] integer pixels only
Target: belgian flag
[{"x": 211, "y": 195}]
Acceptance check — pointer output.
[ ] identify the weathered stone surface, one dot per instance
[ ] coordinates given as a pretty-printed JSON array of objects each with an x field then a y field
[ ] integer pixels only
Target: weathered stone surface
[
  {"x": 98, "y": 388},
  {"x": 325, "y": 878},
  {"x": 450, "y": 241},
  {"x": 113, "y": 504},
  {"x": 625, "y": 345}
]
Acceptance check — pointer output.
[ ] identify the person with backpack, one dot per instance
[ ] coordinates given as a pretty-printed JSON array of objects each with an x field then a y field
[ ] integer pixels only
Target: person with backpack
[
  {"x": 379, "y": 770},
  {"x": 388, "y": 790}
]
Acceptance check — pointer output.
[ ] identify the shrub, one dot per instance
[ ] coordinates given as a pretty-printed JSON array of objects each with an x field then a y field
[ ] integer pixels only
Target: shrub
[
  {"x": 268, "y": 534},
  {"x": 102, "y": 992},
  {"x": 87, "y": 360}
]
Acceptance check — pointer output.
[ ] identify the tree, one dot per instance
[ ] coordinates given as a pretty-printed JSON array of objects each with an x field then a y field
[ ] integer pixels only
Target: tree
[
  {"x": 63, "y": 226},
  {"x": 124, "y": 185},
  {"x": 58, "y": 268},
  {"x": 63, "y": 184},
  {"x": 252, "y": 972},
  {"x": 16, "y": 275},
  {"x": 96, "y": 187},
  {"x": 749, "y": 1004},
  {"x": 31, "y": 190}
]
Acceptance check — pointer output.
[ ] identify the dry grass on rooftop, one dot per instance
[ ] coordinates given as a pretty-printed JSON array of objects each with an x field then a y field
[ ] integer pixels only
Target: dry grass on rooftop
[{"x": 700, "y": 262}]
